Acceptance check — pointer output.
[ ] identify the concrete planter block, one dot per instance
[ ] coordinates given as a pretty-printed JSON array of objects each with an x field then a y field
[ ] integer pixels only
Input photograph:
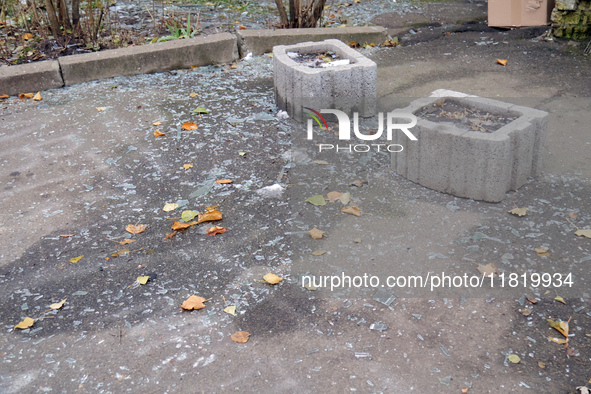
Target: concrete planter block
[
  {"x": 472, "y": 164},
  {"x": 349, "y": 88}
]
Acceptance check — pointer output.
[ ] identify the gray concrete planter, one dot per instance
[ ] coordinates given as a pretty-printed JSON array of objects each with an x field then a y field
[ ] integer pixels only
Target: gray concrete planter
[
  {"x": 473, "y": 164},
  {"x": 349, "y": 88}
]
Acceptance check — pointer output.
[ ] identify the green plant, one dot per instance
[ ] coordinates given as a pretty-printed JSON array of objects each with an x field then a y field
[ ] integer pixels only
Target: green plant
[{"x": 177, "y": 31}]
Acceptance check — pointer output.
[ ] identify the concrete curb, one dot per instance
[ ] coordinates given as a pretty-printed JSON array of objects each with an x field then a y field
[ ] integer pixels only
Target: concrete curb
[
  {"x": 261, "y": 41},
  {"x": 200, "y": 51},
  {"x": 30, "y": 78},
  {"x": 145, "y": 59}
]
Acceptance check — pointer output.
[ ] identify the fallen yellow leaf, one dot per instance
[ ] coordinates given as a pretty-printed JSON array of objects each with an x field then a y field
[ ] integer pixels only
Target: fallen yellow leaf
[
  {"x": 193, "y": 95},
  {"x": 27, "y": 36},
  {"x": 193, "y": 302},
  {"x": 519, "y": 211},
  {"x": 158, "y": 133},
  {"x": 26, "y": 95},
  {"x": 189, "y": 126},
  {"x": 502, "y": 62},
  {"x": 231, "y": 310},
  {"x": 157, "y": 123},
  {"x": 488, "y": 269},
  {"x": 318, "y": 253},
  {"x": 514, "y": 358},
  {"x": 541, "y": 364},
  {"x": 560, "y": 326},
  {"x": 240, "y": 336},
  {"x": 272, "y": 279},
  {"x": 37, "y": 97},
  {"x": 316, "y": 233},
  {"x": 170, "y": 207},
  {"x": 187, "y": 166},
  {"x": 223, "y": 181},
  {"x": 352, "y": 210},
  {"x": 4, "y": 96},
  {"x": 28, "y": 322},
  {"x": 75, "y": 259},
  {"x": 58, "y": 305},
  {"x": 584, "y": 233},
  {"x": 100, "y": 109},
  {"x": 142, "y": 280},
  {"x": 66, "y": 235},
  {"x": 560, "y": 299},
  {"x": 136, "y": 228}
]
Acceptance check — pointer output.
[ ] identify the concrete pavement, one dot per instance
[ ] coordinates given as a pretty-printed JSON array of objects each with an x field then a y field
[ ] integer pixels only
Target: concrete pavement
[{"x": 70, "y": 168}]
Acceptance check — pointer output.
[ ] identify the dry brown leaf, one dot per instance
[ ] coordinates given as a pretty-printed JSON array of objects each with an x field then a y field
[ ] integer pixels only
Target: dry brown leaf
[
  {"x": 502, "y": 62},
  {"x": 216, "y": 230},
  {"x": 223, "y": 181},
  {"x": 240, "y": 336},
  {"x": 66, "y": 235},
  {"x": 488, "y": 269},
  {"x": 333, "y": 196},
  {"x": 121, "y": 252},
  {"x": 193, "y": 302},
  {"x": 357, "y": 240},
  {"x": 532, "y": 300},
  {"x": 572, "y": 215},
  {"x": 193, "y": 95},
  {"x": 316, "y": 233},
  {"x": 136, "y": 228},
  {"x": 101, "y": 109},
  {"x": 157, "y": 123},
  {"x": 319, "y": 253},
  {"x": 526, "y": 311},
  {"x": 519, "y": 211},
  {"x": 465, "y": 390},
  {"x": 181, "y": 226},
  {"x": 170, "y": 235},
  {"x": 542, "y": 251},
  {"x": 158, "y": 133},
  {"x": 242, "y": 27},
  {"x": 352, "y": 210},
  {"x": 37, "y": 97},
  {"x": 4, "y": 96},
  {"x": 345, "y": 198},
  {"x": 358, "y": 183},
  {"x": 187, "y": 166},
  {"x": 189, "y": 126},
  {"x": 272, "y": 279},
  {"x": 26, "y": 95},
  {"x": 541, "y": 364},
  {"x": 209, "y": 216},
  {"x": 28, "y": 322},
  {"x": 27, "y": 36}
]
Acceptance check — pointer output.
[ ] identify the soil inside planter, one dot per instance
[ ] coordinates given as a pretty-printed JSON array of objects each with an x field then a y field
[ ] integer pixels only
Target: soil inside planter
[
  {"x": 318, "y": 59},
  {"x": 471, "y": 119}
]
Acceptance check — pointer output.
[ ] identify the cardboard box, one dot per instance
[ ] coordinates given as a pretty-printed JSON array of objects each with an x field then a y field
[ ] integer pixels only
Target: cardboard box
[{"x": 515, "y": 13}]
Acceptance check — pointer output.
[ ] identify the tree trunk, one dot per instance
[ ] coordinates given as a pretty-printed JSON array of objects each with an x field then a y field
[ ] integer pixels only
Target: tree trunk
[
  {"x": 76, "y": 13},
  {"x": 55, "y": 25},
  {"x": 64, "y": 15},
  {"x": 282, "y": 14}
]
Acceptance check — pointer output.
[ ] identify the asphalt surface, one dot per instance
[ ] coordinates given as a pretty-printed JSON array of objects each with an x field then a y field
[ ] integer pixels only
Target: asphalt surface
[{"x": 68, "y": 168}]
